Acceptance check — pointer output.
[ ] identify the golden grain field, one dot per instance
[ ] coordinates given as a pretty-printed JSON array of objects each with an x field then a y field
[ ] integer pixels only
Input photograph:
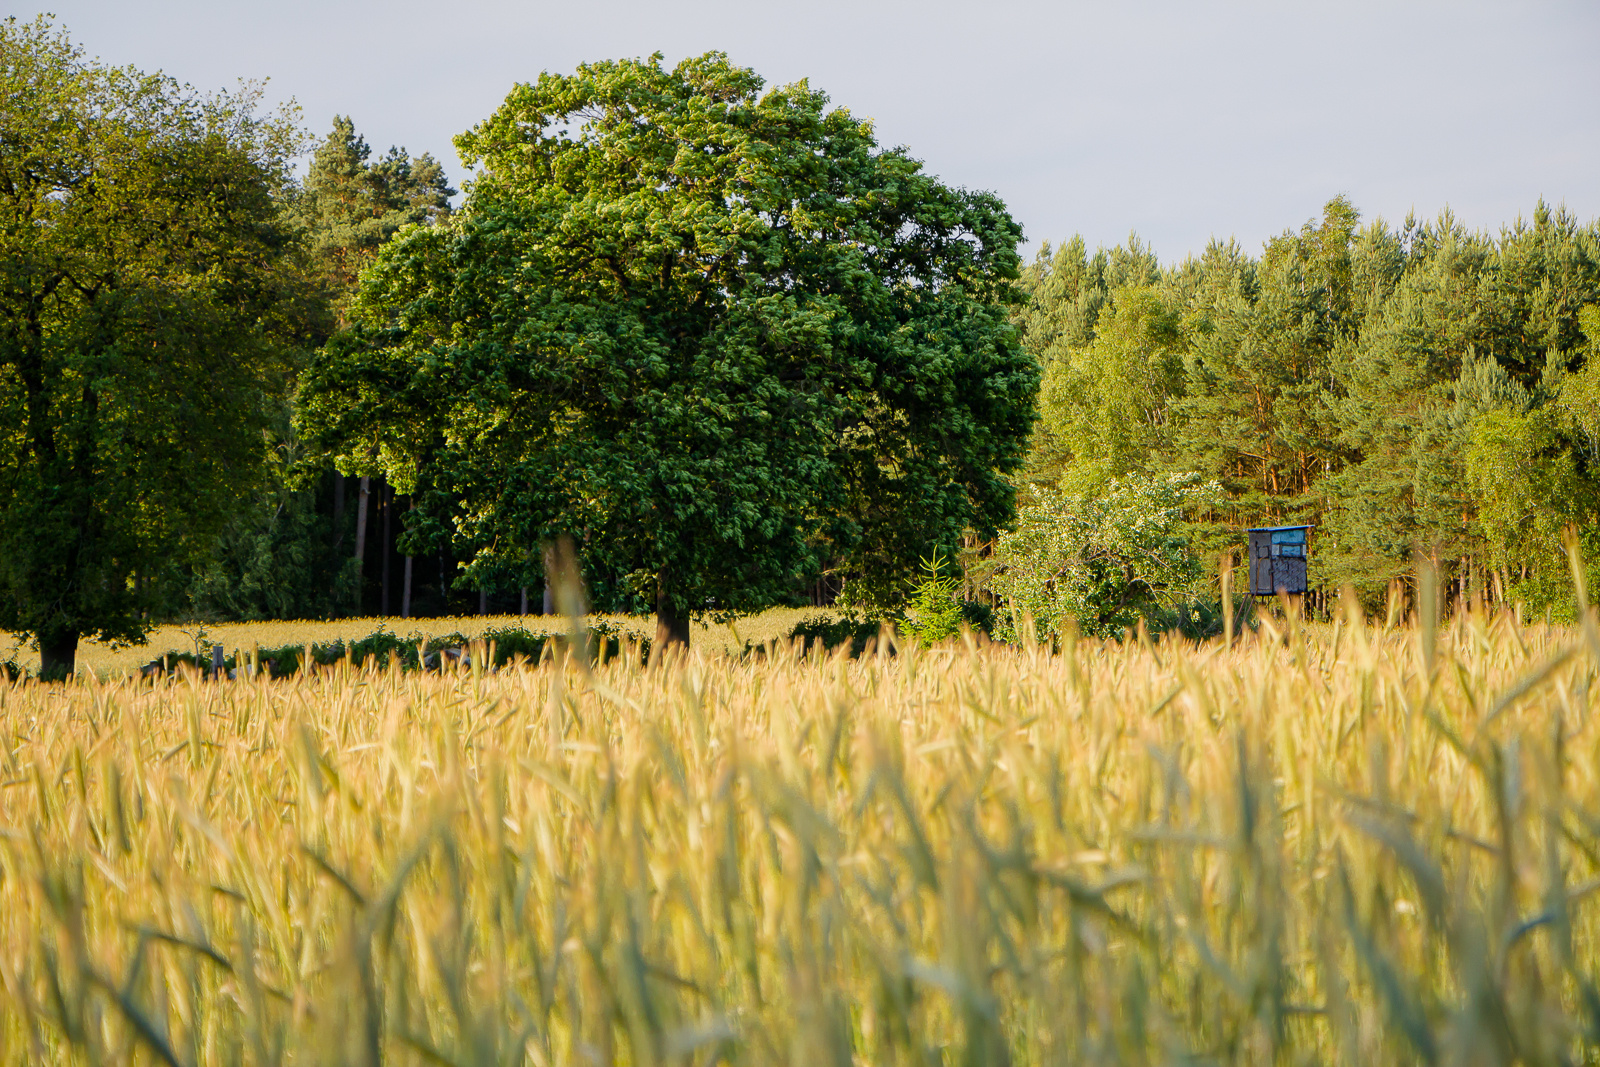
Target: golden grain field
[
  {"x": 1339, "y": 844},
  {"x": 107, "y": 661}
]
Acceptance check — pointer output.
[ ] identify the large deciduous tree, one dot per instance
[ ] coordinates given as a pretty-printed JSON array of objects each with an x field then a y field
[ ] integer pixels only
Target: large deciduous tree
[
  {"x": 146, "y": 288},
  {"x": 715, "y": 334}
]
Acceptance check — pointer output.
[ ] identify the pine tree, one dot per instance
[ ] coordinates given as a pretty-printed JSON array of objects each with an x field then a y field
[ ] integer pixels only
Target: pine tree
[
  {"x": 351, "y": 205},
  {"x": 1361, "y": 378}
]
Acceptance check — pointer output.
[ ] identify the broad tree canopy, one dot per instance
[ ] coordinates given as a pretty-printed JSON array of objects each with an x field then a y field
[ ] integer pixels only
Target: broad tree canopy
[
  {"x": 146, "y": 292},
  {"x": 715, "y": 334}
]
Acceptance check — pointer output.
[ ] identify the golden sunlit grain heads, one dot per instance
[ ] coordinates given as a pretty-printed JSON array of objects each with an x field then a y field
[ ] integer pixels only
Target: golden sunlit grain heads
[{"x": 1314, "y": 847}]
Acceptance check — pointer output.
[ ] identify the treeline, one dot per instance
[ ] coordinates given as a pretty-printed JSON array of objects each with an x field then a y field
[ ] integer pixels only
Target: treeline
[
  {"x": 313, "y": 542},
  {"x": 1424, "y": 388},
  {"x": 707, "y": 335},
  {"x": 310, "y": 542},
  {"x": 783, "y": 366}
]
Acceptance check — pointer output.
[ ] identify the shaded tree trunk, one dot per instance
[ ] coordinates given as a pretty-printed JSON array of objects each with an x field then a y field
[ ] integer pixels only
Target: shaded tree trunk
[
  {"x": 405, "y": 582},
  {"x": 386, "y": 502},
  {"x": 361, "y": 536},
  {"x": 672, "y": 625},
  {"x": 58, "y": 655},
  {"x": 338, "y": 508}
]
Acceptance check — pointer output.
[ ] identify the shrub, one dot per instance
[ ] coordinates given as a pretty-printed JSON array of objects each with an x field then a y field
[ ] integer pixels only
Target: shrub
[
  {"x": 502, "y": 646},
  {"x": 933, "y": 613},
  {"x": 1101, "y": 560},
  {"x": 833, "y": 632},
  {"x": 605, "y": 642}
]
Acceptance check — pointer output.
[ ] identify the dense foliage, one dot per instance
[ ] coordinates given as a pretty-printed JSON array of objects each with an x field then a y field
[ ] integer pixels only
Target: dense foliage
[
  {"x": 350, "y": 204},
  {"x": 150, "y": 297},
  {"x": 283, "y": 553},
  {"x": 1424, "y": 388},
  {"x": 714, "y": 334},
  {"x": 1101, "y": 561},
  {"x": 294, "y": 550}
]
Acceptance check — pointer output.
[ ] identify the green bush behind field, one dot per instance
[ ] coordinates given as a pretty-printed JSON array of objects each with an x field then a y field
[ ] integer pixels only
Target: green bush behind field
[{"x": 499, "y": 647}]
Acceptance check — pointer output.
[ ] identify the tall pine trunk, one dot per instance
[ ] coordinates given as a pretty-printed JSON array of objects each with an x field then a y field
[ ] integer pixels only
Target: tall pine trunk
[
  {"x": 405, "y": 582},
  {"x": 361, "y": 536},
  {"x": 386, "y": 502},
  {"x": 338, "y": 509}
]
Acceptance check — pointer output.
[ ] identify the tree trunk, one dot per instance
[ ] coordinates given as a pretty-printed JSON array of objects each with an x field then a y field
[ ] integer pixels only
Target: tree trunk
[
  {"x": 58, "y": 656},
  {"x": 405, "y": 592},
  {"x": 405, "y": 582},
  {"x": 338, "y": 507},
  {"x": 386, "y": 501},
  {"x": 524, "y": 605},
  {"x": 672, "y": 625},
  {"x": 483, "y": 602},
  {"x": 361, "y": 535},
  {"x": 549, "y": 607}
]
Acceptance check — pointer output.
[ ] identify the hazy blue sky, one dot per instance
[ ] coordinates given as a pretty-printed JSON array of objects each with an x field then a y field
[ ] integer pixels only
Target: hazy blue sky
[{"x": 1180, "y": 119}]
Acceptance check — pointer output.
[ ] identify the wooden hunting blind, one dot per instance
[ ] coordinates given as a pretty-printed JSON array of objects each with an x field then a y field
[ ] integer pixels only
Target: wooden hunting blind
[{"x": 1278, "y": 560}]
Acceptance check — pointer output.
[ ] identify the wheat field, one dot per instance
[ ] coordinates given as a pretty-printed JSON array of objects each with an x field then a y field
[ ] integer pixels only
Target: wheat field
[
  {"x": 1334, "y": 844},
  {"x": 109, "y": 660}
]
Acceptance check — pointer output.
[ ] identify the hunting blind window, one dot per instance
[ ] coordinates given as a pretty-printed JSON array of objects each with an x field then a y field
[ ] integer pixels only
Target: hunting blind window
[{"x": 1278, "y": 560}]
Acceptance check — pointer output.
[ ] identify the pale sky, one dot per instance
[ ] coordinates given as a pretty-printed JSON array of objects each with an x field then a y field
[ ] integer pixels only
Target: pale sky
[{"x": 1178, "y": 119}]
